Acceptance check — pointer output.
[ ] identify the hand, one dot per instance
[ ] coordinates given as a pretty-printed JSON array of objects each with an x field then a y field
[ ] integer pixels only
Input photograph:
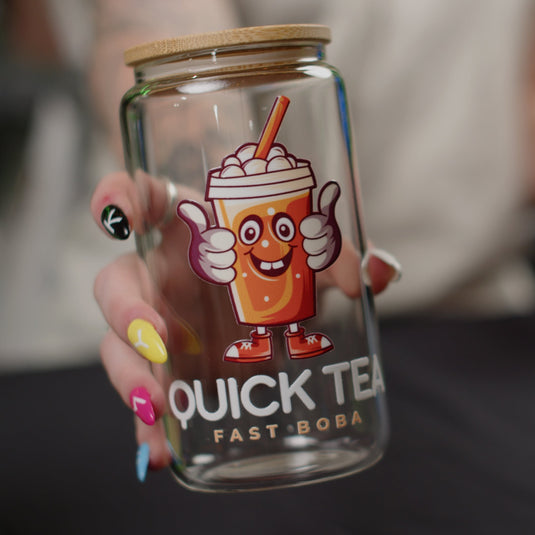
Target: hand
[
  {"x": 321, "y": 232},
  {"x": 211, "y": 252},
  {"x": 142, "y": 321}
]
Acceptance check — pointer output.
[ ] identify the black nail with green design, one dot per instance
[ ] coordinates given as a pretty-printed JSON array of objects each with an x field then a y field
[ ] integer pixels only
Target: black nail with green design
[{"x": 115, "y": 222}]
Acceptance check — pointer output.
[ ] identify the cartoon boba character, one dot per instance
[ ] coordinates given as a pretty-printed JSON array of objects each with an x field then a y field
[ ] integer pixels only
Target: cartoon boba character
[{"x": 267, "y": 244}]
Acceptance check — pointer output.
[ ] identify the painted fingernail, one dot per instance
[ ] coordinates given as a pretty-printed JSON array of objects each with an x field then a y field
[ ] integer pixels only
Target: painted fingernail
[
  {"x": 115, "y": 222},
  {"x": 142, "y": 461},
  {"x": 385, "y": 257},
  {"x": 147, "y": 341},
  {"x": 142, "y": 406}
]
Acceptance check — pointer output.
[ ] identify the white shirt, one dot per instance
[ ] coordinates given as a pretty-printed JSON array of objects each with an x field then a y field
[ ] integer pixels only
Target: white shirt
[{"x": 434, "y": 88}]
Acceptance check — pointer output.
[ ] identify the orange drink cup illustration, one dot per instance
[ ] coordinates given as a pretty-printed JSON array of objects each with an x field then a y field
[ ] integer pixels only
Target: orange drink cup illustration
[
  {"x": 267, "y": 242},
  {"x": 273, "y": 283},
  {"x": 262, "y": 194}
]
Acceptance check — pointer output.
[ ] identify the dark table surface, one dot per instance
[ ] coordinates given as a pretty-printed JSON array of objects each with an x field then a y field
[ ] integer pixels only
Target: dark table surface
[{"x": 461, "y": 457}]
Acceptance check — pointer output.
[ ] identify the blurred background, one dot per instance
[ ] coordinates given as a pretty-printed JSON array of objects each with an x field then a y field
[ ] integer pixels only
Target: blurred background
[
  {"x": 52, "y": 155},
  {"x": 442, "y": 129},
  {"x": 443, "y": 105}
]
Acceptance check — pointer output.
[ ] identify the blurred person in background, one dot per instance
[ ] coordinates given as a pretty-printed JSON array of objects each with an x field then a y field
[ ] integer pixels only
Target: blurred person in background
[
  {"x": 49, "y": 160},
  {"x": 439, "y": 105},
  {"x": 440, "y": 98}
]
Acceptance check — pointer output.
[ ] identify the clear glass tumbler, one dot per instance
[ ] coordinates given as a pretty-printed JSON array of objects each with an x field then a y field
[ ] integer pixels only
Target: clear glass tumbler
[{"x": 274, "y": 375}]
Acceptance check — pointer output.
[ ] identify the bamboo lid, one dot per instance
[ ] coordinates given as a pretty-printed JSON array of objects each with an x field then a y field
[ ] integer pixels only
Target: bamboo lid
[{"x": 238, "y": 36}]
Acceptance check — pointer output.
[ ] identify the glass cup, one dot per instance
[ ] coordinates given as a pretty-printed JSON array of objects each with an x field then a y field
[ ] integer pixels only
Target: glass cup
[{"x": 274, "y": 376}]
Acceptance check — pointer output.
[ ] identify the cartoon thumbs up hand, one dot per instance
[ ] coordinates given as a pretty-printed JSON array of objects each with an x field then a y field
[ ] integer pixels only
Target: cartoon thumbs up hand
[
  {"x": 211, "y": 252},
  {"x": 322, "y": 236}
]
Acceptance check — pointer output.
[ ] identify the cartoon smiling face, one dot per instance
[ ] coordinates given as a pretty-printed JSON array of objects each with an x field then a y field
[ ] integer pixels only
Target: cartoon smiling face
[
  {"x": 268, "y": 242},
  {"x": 273, "y": 284}
]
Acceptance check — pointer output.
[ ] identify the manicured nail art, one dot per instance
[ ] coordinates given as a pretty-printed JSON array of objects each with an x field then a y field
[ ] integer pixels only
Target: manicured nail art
[
  {"x": 115, "y": 222},
  {"x": 147, "y": 341},
  {"x": 142, "y": 461},
  {"x": 142, "y": 406},
  {"x": 389, "y": 259}
]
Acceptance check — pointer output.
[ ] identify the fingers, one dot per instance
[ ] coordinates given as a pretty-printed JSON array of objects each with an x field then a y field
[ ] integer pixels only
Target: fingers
[
  {"x": 138, "y": 333},
  {"x": 115, "y": 222},
  {"x": 318, "y": 262},
  {"x": 155, "y": 438},
  {"x": 211, "y": 250},
  {"x": 194, "y": 216},
  {"x": 345, "y": 272},
  {"x": 379, "y": 268},
  {"x": 119, "y": 290},
  {"x": 114, "y": 205},
  {"x": 129, "y": 373},
  {"x": 117, "y": 204},
  {"x": 328, "y": 196},
  {"x": 139, "y": 390},
  {"x": 126, "y": 350},
  {"x": 154, "y": 450},
  {"x": 216, "y": 255},
  {"x": 219, "y": 259},
  {"x": 322, "y": 239}
]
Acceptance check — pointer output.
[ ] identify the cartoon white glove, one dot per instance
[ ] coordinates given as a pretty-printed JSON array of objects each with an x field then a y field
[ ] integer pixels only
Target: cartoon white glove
[
  {"x": 211, "y": 252},
  {"x": 322, "y": 235}
]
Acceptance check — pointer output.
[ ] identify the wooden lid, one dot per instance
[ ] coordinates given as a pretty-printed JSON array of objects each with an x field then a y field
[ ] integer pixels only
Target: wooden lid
[{"x": 239, "y": 36}]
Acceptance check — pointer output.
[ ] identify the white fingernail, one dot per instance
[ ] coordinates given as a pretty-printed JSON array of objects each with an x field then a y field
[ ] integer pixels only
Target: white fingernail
[{"x": 385, "y": 257}]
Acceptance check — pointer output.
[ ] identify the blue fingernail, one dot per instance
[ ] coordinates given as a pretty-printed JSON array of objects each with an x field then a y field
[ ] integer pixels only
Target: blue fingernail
[{"x": 142, "y": 461}]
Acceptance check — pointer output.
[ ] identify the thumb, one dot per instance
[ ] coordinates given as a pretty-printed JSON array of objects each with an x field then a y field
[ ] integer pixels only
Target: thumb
[
  {"x": 194, "y": 215},
  {"x": 328, "y": 196}
]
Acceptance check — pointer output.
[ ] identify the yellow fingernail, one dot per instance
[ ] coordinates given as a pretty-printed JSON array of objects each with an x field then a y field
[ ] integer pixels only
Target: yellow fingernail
[{"x": 147, "y": 341}]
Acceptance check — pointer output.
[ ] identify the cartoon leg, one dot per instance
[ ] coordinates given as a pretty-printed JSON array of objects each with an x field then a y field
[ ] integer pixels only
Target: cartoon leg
[
  {"x": 301, "y": 346},
  {"x": 256, "y": 349}
]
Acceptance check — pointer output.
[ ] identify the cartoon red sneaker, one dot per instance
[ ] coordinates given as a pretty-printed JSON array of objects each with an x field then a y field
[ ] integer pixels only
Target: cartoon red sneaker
[
  {"x": 257, "y": 349},
  {"x": 301, "y": 346}
]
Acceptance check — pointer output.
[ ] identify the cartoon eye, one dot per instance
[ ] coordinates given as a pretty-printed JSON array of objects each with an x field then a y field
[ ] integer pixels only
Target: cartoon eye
[
  {"x": 251, "y": 229},
  {"x": 284, "y": 227}
]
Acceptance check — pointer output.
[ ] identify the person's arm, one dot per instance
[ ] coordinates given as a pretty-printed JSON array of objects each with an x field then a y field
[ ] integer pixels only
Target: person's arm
[{"x": 121, "y": 24}]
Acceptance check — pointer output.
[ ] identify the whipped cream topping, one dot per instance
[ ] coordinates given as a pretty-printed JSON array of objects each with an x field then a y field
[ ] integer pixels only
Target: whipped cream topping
[{"x": 243, "y": 162}]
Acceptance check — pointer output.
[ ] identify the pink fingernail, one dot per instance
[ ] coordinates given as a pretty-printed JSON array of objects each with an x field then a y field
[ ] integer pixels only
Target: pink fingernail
[{"x": 142, "y": 406}]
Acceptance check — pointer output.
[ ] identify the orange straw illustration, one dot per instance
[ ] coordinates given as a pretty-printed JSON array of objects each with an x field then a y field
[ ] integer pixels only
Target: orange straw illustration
[{"x": 272, "y": 126}]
